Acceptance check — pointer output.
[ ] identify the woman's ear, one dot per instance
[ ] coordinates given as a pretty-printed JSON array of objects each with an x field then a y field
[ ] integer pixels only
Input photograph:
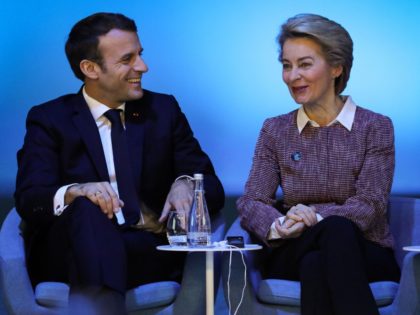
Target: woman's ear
[
  {"x": 89, "y": 68},
  {"x": 337, "y": 71}
]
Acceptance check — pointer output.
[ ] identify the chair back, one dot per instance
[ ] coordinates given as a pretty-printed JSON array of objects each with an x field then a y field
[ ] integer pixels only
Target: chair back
[{"x": 404, "y": 221}]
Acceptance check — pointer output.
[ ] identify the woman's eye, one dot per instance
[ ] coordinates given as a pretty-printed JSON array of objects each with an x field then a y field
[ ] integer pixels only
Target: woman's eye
[
  {"x": 286, "y": 66},
  {"x": 305, "y": 65}
]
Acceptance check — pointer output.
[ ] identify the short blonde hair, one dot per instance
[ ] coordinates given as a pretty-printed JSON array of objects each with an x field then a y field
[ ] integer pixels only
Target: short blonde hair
[{"x": 334, "y": 40}]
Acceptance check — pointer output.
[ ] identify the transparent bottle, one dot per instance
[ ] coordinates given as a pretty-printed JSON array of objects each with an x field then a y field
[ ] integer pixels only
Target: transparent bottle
[{"x": 199, "y": 227}]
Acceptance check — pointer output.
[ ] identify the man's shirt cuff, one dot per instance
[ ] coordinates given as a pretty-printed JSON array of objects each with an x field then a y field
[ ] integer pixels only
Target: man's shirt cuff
[{"x": 59, "y": 204}]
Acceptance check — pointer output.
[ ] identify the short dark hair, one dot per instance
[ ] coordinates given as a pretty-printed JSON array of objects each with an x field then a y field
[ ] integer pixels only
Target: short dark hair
[
  {"x": 334, "y": 40},
  {"x": 83, "y": 39}
]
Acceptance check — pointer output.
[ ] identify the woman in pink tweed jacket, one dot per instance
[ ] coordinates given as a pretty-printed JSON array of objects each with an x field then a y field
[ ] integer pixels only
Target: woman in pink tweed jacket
[{"x": 334, "y": 162}]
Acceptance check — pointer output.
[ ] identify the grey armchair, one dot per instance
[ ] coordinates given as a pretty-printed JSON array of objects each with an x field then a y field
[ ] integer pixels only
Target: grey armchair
[
  {"x": 51, "y": 298},
  {"x": 273, "y": 296}
]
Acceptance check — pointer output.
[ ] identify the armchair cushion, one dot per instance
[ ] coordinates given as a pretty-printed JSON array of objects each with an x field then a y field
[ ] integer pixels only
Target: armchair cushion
[
  {"x": 285, "y": 292},
  {"x": 55, "y": 294},
  {"x": 52, "y": 294},
  {"x": 280, "y": 292},
  {"x": 151, "y": 295}
]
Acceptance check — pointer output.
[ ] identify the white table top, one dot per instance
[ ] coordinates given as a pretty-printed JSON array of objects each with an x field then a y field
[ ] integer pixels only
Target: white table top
[
  {"x": 412, "y": 248},
  {"x": 211, "y": 248}
]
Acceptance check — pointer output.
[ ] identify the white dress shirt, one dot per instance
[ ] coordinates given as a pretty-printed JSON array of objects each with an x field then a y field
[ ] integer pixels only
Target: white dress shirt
[{"x": 104, "y": 127}]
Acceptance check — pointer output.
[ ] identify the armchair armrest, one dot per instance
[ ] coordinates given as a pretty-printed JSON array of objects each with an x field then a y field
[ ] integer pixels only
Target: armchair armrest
[
  {"x": 407, "y": 300},
  {"x": 19, "y": 297}
]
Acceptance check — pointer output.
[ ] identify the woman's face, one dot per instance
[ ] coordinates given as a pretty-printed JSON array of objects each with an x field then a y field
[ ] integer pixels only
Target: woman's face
[{"x": 307, "y": 74}]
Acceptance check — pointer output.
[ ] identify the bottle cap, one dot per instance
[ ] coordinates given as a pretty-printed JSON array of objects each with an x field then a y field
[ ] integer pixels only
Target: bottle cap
[{"x": 198, "y": 176}]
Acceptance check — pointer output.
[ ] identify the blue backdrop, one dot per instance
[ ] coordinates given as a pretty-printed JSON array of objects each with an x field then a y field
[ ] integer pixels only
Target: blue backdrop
[{"x": 219, "y": 58}]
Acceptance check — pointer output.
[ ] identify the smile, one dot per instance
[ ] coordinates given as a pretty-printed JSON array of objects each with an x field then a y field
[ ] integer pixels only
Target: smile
[
  {"x": 134, "y": 80},
  {"x": 299, "y": 89}
]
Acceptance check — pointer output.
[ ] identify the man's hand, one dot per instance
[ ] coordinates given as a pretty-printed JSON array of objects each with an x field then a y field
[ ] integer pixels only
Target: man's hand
[
  {"x": 302, "y": 213},
  {"x": 100, "y": 193},
  {"x": 290, "y": 228},
  {"x": 180, "y": 198}
]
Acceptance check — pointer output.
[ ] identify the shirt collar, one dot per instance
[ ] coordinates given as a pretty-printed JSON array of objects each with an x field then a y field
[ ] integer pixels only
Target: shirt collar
[
  {"x": 345, "y": 117},
  {"x": 97, "y": 108}
]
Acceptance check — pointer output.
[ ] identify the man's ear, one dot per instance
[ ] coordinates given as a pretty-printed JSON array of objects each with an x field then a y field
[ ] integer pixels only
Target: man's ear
[{"x": 89, "y": 68}]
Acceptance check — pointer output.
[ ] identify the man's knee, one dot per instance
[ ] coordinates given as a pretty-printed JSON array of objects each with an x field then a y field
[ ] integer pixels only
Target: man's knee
[
  {"x": 82, "y": 203},
  {"x": 88, "y": 223},
  {"x": 82, "y": 209}
]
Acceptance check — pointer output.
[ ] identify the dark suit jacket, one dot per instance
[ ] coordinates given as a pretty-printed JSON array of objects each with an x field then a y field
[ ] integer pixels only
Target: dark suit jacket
[{"x": 62, "y": 146}]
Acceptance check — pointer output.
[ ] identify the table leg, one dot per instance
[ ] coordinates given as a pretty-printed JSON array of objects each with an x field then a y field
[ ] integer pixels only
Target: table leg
[{"x": 209, "y": 284}]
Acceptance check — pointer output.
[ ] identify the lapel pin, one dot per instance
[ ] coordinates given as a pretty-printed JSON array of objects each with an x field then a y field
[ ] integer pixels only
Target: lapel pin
[{"x": 296, "y": 156}]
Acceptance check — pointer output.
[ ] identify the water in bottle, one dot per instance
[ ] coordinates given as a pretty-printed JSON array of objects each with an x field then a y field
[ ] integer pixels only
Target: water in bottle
[{"x": 199, "y": 227}]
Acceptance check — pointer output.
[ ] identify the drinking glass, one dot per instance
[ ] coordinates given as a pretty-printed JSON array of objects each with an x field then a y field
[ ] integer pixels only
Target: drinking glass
[{"x": 176, "y": 229}]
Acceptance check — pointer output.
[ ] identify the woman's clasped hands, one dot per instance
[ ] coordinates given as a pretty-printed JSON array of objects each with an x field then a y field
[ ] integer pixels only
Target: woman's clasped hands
[{"x": 297, "y": 219}]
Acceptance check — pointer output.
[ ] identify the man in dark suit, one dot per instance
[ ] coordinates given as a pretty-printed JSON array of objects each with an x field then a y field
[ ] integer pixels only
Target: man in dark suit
[{"x": 95, "y": 205}]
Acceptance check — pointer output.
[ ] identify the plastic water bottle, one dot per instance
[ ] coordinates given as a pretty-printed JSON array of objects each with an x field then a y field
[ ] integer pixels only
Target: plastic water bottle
[{"x": 199, "y": 228}]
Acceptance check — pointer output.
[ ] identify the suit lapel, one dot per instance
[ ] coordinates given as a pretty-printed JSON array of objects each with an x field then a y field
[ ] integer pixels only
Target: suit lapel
[
  {"x": 88, "y": 130},
  {"x": 135, "y": 129}
]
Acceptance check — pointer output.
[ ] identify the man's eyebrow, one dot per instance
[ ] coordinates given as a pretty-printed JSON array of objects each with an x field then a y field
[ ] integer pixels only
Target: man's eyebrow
[
  {"x": 130, "y": 54},
  {"x": 126, "y": 56}
]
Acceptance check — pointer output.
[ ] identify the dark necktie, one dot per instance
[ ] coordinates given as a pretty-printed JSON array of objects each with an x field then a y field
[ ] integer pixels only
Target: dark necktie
[{"x": 125, "y": 182}]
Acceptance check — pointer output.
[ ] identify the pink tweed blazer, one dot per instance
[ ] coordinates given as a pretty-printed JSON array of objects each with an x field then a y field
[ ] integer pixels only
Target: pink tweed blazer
[{"x": 340, "y": 172}]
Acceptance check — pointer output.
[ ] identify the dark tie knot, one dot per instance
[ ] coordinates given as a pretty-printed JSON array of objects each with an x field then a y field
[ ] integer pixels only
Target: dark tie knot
[{"x": 114, "y": 116}]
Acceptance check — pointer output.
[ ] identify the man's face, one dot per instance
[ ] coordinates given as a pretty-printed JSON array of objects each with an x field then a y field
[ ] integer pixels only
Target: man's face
[{"x": 119, "y": 76}]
